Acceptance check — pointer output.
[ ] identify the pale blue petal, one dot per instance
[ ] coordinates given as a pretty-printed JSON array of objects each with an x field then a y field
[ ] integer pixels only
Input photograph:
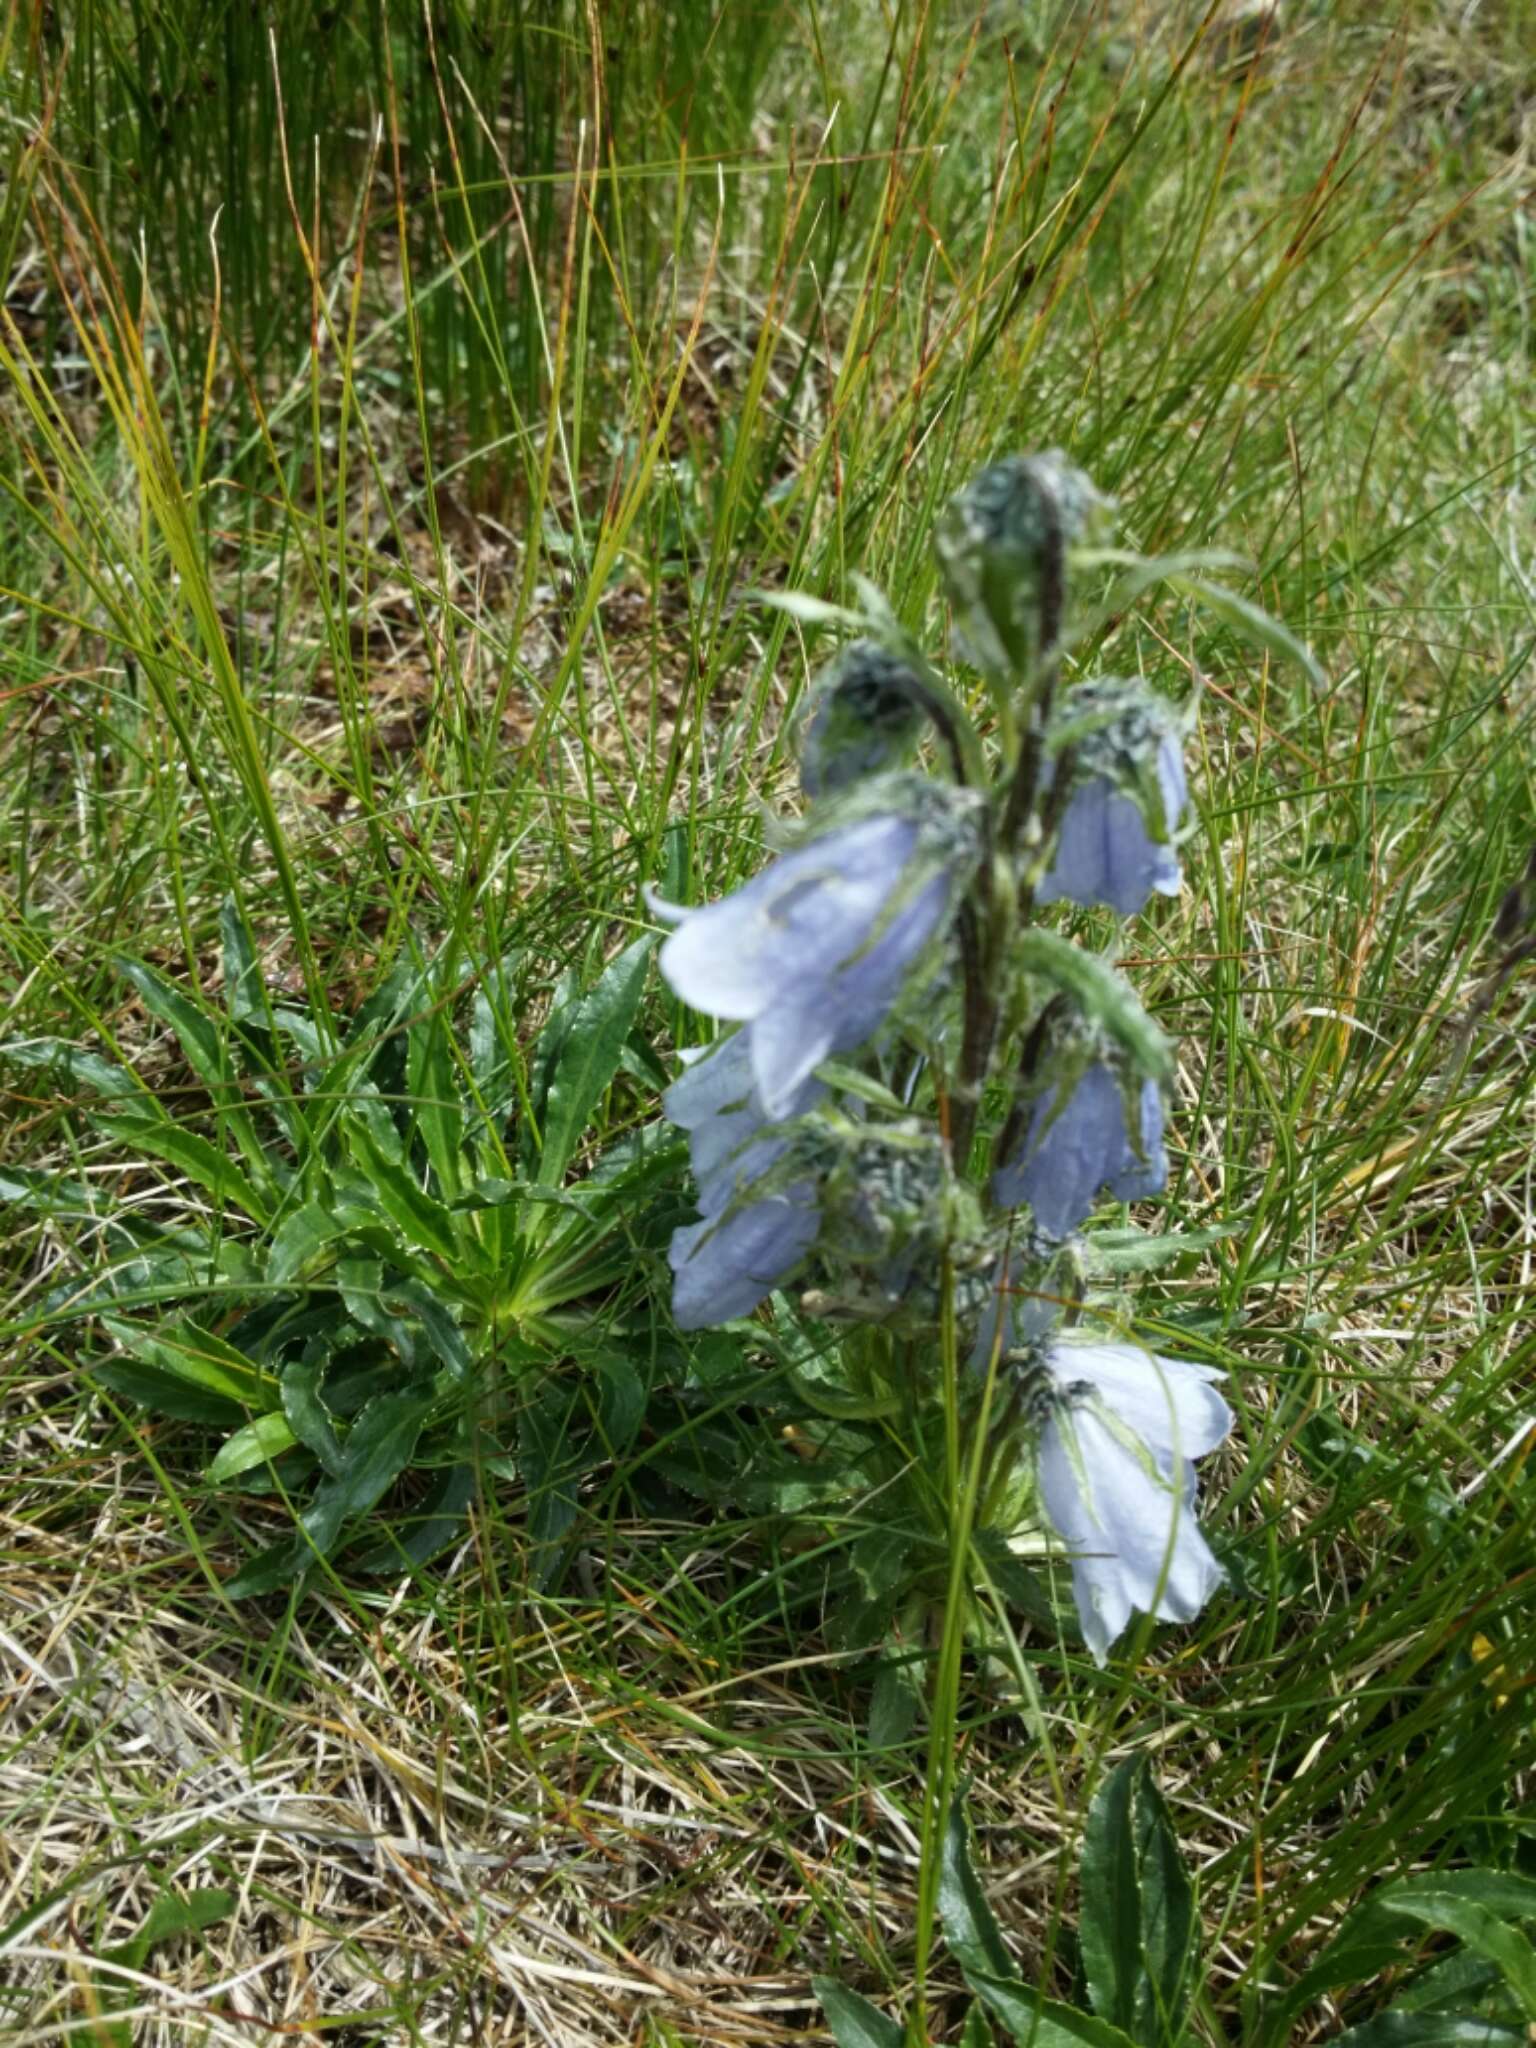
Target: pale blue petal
[
  {"x": 723, "y": 1170},
  {"x": 663, "y": 911},
  {"x": 1193, "y": 1573},
  {"x": 1069, "y": 1153},
  {"x": 723, "y": 1269},
  {"x": 1166, "y": 1565},
  {"x": 1135, "y": 1545},
  {"x": 1105, "y": 853},
  {"x": 791, "y": 925},
  {"x": 1171, "y": 781},
  {"x": 1098, "y": 1586},
  {"x": 870, "y": 980},
  {"x": 1173, "y": 1407},
  {"x": 1137, "y": 1178},
  {"x": 1079, "y": 870},
  {"x": 788, "y": 1043},
  {"x": 719, "y": 1080},
  {"x": 814, "y": 1018},
  {"x": 729, "y": 1144}
]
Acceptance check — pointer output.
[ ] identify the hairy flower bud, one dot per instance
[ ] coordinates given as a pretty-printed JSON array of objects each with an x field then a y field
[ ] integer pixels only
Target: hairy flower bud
[
  {"x": 887, "y": 1188},
  {"x": 1001, "y": 545},
  {"x": 864, "y": 719},
  {"x": 892, "y": 1214}
]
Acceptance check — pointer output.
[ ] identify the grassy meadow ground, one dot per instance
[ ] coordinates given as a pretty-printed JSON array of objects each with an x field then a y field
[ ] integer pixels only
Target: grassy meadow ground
[{"x": 399, "y": 413}]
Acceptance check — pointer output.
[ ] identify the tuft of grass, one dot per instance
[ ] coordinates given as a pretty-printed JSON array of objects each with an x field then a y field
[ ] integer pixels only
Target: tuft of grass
[{"x": 379, "y": 551}]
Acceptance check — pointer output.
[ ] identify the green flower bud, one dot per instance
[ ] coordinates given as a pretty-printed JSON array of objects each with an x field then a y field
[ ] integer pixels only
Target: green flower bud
[{"x": 1002, "y": 545}]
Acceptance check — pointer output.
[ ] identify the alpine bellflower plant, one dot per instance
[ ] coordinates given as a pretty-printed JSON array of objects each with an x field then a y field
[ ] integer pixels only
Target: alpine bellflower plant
[{"x": 923, "y": 1089}]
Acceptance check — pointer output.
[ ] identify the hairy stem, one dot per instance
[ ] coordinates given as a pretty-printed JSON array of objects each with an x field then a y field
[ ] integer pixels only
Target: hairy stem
[
  {"x": 1024, "y": 787},
  {"x": 984, "y": 939}
]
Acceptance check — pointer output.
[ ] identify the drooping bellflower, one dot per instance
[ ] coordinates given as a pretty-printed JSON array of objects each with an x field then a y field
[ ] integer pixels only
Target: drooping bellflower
[
  {"x": 757, "y": 1225},
  {"x": 1117, "y": 1481},
  {"x": 835, "y": 949},
  {"x": 812, "y": 953},
  {"x": 1094, "y": 1127},
  {"x": 1128, "y": 797}
]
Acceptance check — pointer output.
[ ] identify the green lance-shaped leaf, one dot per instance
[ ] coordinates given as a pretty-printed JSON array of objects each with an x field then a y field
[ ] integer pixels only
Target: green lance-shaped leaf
[
  {"x": 420, "y": 1218},
  {"x": 243, "y": 993},
  {"x": 1250, "y": 622},
  {"x": 1372, "y": 1938},
  {"x": 164, "y": 1394},
  {"x": 588, "y": 1059},
  {"x": 855, "y": 2023},
  {"x": 169, "y": 1916},
  {"x": 972, "y": 1934},
  {"x": 1102, "y": 995},
  {"x": 199, "y": 1036},
  {"x": 257, "y": 1444},
  {"x": 895, "y": 1700},
  {"x": 202, "y": 1039},
  {"x": 302, "y": 1240},
  {"x": 53, "y": 1194},
  {"x": 306, "y": 1413},
  {"x": 367, "y": 1294},
  {"x": 1137, "y": 1928},
  {"x": 553, "y": 1453},
  {"x": 548, "y": 1048},
  {"x": 618, "y": 1392},
  {"x": 495, "y": 1058},
  {"x": 1431, "y": 2030},
  {"x": 377, "y": 1450},
  {"x": 190, "y": 1153},
  {"x": 1142, "y": 572},
  {"x": 445, "y": 1340},
  {"x": 1481, "y": 1929},
  {"x": 1139, "y": 1251},
  {"x": 977, "y": 2031},
  {"x": 437, "y": 1109},
  {"x": 198, "y": 1358},
  {"x": 810, "y": 611},
  {"x": 438, "y": 1518},
  {"x": 78, "y": 1068},
  {"x": 1460, "y": 1982},
  {"x": 969, "y": 1925},
  {"x": 1036, "y": 2022}
]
